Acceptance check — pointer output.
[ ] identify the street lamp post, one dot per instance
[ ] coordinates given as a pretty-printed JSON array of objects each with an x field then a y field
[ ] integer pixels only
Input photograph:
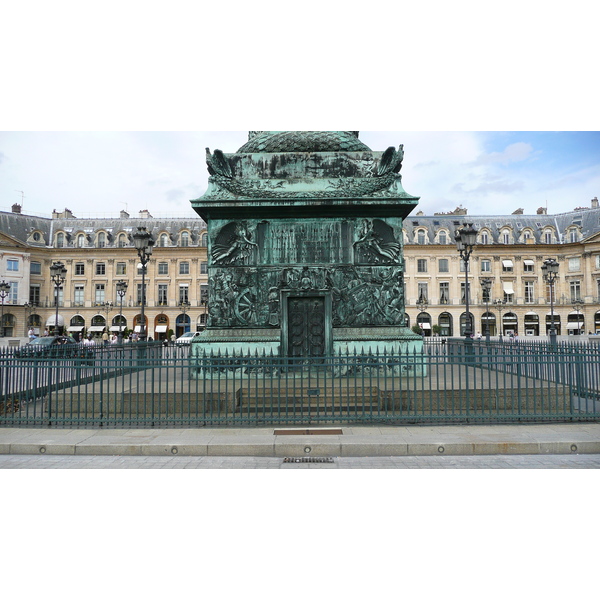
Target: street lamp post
[
  {"x": 184, "y": 307},
  {"x": 422, "y": 306},
  {"x": 486, "y": 286},
  {"x": 121, "y": 291},
  {"x": 106, "y": 307},
  {"x": 466, "y": 239},
  {"x": 500, "y": 306},
  {"x": 550, "y": 273},
  {"x": 29, "y": 308},
  {"x": 143, "y": 242},
  {"x": 58, "y": 274},
  {"x": 577, "y": 305},
  {"x": 4, "y": 291}
]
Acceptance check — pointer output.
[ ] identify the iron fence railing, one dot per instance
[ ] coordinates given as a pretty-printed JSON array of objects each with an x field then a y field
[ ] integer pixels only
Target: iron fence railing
[{"x": 150, "y": 384}]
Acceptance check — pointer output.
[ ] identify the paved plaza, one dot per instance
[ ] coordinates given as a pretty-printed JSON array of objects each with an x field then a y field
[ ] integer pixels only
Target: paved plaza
[{"x": 584, "y": 461}]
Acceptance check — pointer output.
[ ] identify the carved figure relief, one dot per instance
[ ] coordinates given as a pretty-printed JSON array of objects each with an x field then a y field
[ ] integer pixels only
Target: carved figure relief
[
  {"x": 233, "y": 245},
  {"x": 376, "y": 243}
]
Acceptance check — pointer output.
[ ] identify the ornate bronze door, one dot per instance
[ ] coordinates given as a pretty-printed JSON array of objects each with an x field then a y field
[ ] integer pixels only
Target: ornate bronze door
[{"x": 306, "y": 326}]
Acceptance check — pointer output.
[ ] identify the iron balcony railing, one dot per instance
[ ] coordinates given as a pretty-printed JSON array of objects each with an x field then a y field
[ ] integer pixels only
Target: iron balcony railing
[{"x": 151, "y": 384}]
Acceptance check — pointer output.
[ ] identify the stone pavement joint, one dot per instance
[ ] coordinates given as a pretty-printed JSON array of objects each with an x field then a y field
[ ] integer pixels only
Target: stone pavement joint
[{"x": 354, "y": 441}]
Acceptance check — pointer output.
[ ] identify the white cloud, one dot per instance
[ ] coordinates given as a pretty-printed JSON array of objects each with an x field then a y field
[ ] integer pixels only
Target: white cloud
[{"x": 516, "y": 152}]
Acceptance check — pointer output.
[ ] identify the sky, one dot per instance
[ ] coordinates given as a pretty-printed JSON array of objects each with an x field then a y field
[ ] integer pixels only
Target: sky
[{"x": 101, "y": 173}]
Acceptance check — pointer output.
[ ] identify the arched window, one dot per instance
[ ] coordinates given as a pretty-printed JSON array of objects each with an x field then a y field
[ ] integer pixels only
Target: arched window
[
  {"x": 164, "y": 240},
  {"x": 60, "y": 240},
  {"x": 101, "y": 240},
  {"x": 443, "y": 239},
  {"x": 185, "y": 239},
  {"x": 122, "y": 241},
  {"x": 204, "y": 240},
  {"x": 80, "y": 240}
]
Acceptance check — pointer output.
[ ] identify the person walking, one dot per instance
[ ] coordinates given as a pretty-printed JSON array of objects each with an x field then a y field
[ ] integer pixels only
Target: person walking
[
  {"x": 105, "y": 338},
  {"x": 31, "y": 334}
]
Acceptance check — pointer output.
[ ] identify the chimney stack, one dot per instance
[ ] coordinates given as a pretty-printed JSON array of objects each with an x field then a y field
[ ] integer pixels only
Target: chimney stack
[{"x": 16, "y": 208}]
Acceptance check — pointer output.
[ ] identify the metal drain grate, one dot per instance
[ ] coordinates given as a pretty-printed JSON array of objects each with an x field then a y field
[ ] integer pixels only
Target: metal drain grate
[{"x": 307, "y": 459}]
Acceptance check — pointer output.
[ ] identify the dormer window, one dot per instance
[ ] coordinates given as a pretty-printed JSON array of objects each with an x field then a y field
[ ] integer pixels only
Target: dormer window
[
  {"x": 101, "y": 240},
  {"x": 184, "y": 239},
  {"x": 163, "y": 240},
  {"x": 60, "y": 240},
  {"x": 443, "y": 239}
]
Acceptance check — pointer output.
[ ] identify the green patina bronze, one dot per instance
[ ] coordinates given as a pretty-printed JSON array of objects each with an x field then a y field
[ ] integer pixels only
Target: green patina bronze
[{"x": 305, "y": 246}]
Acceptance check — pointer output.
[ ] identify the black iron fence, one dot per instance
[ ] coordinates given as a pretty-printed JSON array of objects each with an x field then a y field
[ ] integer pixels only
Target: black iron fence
[{"x": 148, "y": 384}]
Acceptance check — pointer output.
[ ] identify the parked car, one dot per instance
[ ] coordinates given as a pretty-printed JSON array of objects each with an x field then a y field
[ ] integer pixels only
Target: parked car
[
  {"x": 60, "y": 346},
  {"x": 187, "y": 338}
]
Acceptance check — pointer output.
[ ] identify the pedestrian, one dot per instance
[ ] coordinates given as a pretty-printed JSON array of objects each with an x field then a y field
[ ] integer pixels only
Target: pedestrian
[
  {"x": 105, "y": 338},
  {"x": 31, "y": 334},
  {"x": 46, "y": 334},
  {"x": 479, "y": 335}
]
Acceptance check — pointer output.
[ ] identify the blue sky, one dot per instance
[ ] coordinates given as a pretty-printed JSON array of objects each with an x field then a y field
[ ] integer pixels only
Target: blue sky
[{"x": 100, "y": 173}]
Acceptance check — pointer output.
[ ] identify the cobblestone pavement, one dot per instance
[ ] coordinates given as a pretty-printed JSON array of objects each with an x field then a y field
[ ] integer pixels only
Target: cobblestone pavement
[{"x": 583, "y": 461}]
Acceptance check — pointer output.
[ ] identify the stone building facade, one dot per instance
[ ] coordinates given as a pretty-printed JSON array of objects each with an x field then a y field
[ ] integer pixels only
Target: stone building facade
[{"x": 99, "y": 252}]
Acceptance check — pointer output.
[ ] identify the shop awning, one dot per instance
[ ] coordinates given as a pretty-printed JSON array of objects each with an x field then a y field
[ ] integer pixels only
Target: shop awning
[
  {"x": 424, "y": 325},
  {"x": 117, "y": 328},
  {"x": 160, "y": 329},
  {"x": 574, "y": 325},
  {"x": 75, "y": 328},
  {"x": 52, "y": 318},
  {"x": 95, "y": 328},
  {"x": 507, "y": 286},
  {"x": 507, "y": 264}
]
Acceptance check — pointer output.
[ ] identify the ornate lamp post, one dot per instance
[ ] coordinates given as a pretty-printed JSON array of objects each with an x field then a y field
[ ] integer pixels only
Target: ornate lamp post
[
  {"x": 121, "y": 291},
  {"x": 466, "y": 239},
  {"x": 184, "y": 306},
  {"x": 486, "y": 286},
  {"x": 577, "y": 305},
  {"x": 29, "y": 308},
  {"x": 58, "y": 274},
  {"x": 550, "y": 273},
  {"x": 143, "y": 242},
  {"x": 500, "y": 306},
  {"x": 4, "y": 291},
  {"x": 106, "y": 307},
  {"x": 422, "y": 306}
]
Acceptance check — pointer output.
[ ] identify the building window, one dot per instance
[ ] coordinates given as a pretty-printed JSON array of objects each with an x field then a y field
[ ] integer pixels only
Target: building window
[
  {"x": 442, "y": 237},
  {"x": 100, "y": 269},
  {"x": 462, "y": 292},
  {"x": 12, "y": 265},
  {"x": 34, "y": 294},
  {"x": 162, "y": 294},
  {"x": 204, "y": 240},
  {"x": 422, "y": 295},
  {"x": 421, "y": 237},
  {"x": 422, "y": 265},
  {"x": 80, "y": 241},
  {"x": 444, "y": 293},
  {"x": 509, "y": 298},
  {"x": 203, "y": 294},
  {"x": 122, "y": 241},
  {"x": 462, "y": 266},
  {"x": 101, "y": 240},
  {"x": 121, "y": 268},
  {"x": 141, "y": 292},
  {"x": 79, "y": 269},
  {"x": 597, "y": 261},
  {"x": 526, "y": 236},
  {"x": 549, "y": 293},
  {"x": 185, "y": 239},
  {"x": 548, "y": 237},
  {"x": 163, "y": 240},
  {"x": 486, "y": 266},
  {"x": 484, "y": 238},
  {"x": 505, "y": 237},
  {"x": 528, "y": 266},
  {"x": 507, "y": 266},
  {"x": 78, "y": 295},
  {"x": 184, "y": 268},
  {"x": 203, "y": 268},
  {"x": 13, "y": 294},
  {"x": 574, "y": 264},
  {"x": 529, "y": 292},
  {"x": 35, "y": 268},
  {"x": 99, "y": 295},
  {"x": 443, "y": 265},
  {"x": 163, "y": 268},
  {"x": 573, "y": 236},
  {"x": 575, "y": 287},
  {"x": 60, "y": 240},
  {"x": 184, "y": 294}
]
